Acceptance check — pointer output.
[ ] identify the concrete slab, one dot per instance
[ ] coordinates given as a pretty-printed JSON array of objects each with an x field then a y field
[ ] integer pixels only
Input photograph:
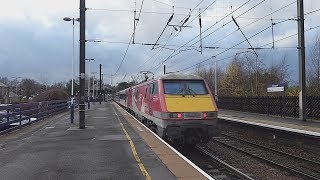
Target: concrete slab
[
  {"x": 180, "y": 166},
  {"x": 100, "y": 151},
  {"x": 310, "y": 127}
]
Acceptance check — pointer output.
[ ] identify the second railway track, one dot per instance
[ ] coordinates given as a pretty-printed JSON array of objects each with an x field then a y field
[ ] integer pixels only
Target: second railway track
[
  {"x": 219, "y": 169},
  {"x": 302, "y": 167}
]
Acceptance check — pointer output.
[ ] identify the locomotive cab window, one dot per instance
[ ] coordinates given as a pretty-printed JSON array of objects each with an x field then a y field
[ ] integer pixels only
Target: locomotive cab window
[
  {"x": 155, "y": 89},
  {"x": 185, "y": 87}
]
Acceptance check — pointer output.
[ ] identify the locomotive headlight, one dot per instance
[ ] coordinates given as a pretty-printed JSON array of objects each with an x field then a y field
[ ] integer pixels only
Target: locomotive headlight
[
  {"x": 174, "y": 115},
  {"x": 209, "y": 115},
  {"x": 205, "y": 115}
]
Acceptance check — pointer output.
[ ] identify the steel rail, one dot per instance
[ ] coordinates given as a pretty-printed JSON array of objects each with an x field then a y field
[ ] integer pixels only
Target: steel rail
[
  {"x": 291, "y": 169},
  {"x": 274, "y": 150},
  {"x": 228, "y": 167}
]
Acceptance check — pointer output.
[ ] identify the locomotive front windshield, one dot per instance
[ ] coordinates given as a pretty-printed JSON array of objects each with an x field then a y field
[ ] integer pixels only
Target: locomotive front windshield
[{"x": 185, "y": 87}]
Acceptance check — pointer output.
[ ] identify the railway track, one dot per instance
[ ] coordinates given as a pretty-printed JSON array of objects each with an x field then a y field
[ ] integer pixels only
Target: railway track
[
  {"x": 305, "y": 168},
  {"x": 215, "y": 167}
]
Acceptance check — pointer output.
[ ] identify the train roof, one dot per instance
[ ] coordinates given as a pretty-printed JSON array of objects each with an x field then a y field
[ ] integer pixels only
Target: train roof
[
  {"x": 181, "y": 76},
  {"x": 170, "y": 76}
]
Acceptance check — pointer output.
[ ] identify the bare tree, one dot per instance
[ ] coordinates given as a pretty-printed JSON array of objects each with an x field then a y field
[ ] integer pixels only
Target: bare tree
[
  {"x": 208, "y": 75},
  {"x": 235, "y": 80},
  {"x": 29, "y": 87},
  {"x": 314, "y": 68}
]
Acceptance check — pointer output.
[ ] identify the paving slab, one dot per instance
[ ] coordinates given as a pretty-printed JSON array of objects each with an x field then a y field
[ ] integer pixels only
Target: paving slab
[
  {"x": 308, "y": 127},
  {"x": 57, "y": 149}
]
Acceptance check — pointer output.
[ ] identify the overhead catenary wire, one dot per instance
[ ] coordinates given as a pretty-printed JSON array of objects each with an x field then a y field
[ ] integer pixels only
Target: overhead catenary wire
[
  {"x": 260, "y": 47},
  {"x": 177, "y": 14},
  {"x": 166, "y": 46},
  {"x": 169, "y": 20},
  {"x": 184, "y": 20},
  {"x": 262, "y": 18},
  {"x": 281, "y": 8},
  {"x": 235, "y": 45},
  {"x": 172, "y": 54},
  {"x": 244, "y": 35},
  {"x": 132, "y": 36}
]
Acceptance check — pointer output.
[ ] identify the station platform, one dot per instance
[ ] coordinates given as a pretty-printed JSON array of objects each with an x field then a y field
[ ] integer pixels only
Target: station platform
[
  {"x": 112, "y": 146},
  {"x": 309, "y": 127}
]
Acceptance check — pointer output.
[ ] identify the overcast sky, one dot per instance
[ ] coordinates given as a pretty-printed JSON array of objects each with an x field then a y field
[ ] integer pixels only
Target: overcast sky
[{"x": 37, "y": 43}]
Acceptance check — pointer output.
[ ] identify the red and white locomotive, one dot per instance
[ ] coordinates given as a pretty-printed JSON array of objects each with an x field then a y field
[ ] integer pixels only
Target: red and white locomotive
[{"x": 178, "y": 107}]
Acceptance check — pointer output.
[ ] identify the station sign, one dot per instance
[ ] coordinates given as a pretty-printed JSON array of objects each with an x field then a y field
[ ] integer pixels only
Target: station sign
[{"x": 276, "y": 87}]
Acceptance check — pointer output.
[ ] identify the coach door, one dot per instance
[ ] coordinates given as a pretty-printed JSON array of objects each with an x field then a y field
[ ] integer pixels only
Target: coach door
[
  {"x": 147, "y": 99},
  {"x": 129, "y": 98},
  {"x": 153, "y": 97}
]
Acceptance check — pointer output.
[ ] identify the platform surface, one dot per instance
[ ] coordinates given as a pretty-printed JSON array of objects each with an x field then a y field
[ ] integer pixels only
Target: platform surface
[
  {"x": 311, "y": 127},
  {"x": 55, "y": 149}
]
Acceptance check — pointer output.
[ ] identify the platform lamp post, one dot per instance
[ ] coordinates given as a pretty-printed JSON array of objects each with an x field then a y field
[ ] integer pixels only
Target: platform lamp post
[
  {"x": 72, "y": 68},
  {"x": 93, "y": 84},
  {"x": 89, "y": 81}
]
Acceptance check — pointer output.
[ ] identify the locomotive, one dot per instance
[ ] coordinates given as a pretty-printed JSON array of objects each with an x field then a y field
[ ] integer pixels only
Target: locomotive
[{"x": 178, "y": 107}]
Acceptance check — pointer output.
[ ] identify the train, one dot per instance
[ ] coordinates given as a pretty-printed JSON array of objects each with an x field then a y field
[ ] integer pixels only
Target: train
[{"x": 178, "y": 107}]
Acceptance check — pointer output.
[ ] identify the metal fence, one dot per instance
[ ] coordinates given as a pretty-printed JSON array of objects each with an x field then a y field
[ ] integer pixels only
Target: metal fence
[
  {"x": 281, "y": 106},
  {"x": 18, "y": 115}
]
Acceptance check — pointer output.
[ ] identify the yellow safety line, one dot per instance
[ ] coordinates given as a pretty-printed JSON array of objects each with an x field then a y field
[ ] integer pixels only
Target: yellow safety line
[{"x": 134, "y": 152}]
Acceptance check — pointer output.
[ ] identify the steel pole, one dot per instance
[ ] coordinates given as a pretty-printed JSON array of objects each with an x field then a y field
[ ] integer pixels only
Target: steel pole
[
  {"x": 89, "y": 84},
  {"x": 100, "y": 91},
  {"x": 72, "y": 57},
  {"x": 256, "y": 75},
  {"x": 72, "y": 71},
  {"x": 82, "y": 69},
  {"x": 215, "y": 82},
  {"x": 93, "y": 94},
  {"x": 302, "y": 68}
]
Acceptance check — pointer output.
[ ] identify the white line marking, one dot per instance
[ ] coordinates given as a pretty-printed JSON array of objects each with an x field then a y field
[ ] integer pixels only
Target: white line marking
[
  {"x": 272, "y": 126},
  {"x": 49, "y": 127},
  {"x": 139, "y": 128},
  {"x": 99, "y": 117},
  {"x": 173, "y": 149}
]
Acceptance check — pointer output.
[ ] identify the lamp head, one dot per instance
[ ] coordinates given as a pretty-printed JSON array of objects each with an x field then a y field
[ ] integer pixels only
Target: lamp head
[{"x": 67, "y": 19}]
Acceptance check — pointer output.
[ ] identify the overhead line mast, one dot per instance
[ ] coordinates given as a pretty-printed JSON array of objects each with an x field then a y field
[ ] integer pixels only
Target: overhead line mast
[
  {"x": 302, "y": 63},
  {"x": 82, "y": 64}
]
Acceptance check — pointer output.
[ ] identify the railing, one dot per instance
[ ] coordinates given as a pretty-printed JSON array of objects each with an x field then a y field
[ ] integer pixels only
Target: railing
[
  {"x": 18, "y": 115},
  {"x": 282, "y": 106}
]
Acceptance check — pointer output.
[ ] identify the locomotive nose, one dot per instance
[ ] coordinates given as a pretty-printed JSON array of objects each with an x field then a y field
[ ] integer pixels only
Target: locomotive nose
[{"x": 189, "y": 103}]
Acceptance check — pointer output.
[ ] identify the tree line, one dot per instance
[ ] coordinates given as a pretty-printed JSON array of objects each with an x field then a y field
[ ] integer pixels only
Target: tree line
[{"x": 28, "y": 88}]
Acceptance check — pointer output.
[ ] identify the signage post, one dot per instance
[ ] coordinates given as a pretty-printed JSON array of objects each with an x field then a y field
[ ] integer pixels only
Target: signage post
[{"x": 277, "y": 88}]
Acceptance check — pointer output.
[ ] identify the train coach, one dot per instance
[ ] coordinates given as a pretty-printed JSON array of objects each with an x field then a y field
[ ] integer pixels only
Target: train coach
[{"x": 178, "y": 107}]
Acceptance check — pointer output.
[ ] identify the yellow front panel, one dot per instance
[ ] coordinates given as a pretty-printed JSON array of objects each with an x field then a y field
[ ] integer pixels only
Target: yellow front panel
[{"x": 199, "y": 103}]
